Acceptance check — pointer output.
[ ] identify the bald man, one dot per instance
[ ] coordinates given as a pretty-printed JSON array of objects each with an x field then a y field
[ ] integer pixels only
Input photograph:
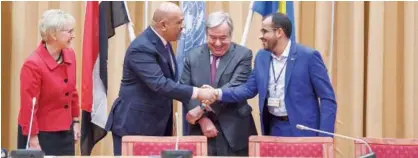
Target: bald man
[{"x": 150, "y": 81}]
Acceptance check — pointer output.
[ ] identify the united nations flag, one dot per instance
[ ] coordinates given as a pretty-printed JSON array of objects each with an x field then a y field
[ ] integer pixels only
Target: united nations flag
[
  {"x": 193, "y": 35},
  {"x": 194, "y": 29}
]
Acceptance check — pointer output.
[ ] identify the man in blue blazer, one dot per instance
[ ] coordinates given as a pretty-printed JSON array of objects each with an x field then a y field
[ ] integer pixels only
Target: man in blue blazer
[
  {"x": 150, "y": 81},
  {"x": 292, "y": 83}
]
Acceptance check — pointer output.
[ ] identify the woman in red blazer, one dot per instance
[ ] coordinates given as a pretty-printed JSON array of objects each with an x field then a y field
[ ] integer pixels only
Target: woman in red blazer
[{"x": 48, "y": 75}]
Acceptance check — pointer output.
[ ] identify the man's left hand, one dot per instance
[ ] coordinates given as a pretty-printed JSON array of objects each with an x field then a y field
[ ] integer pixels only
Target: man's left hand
[{"x": 193, "y": 115}]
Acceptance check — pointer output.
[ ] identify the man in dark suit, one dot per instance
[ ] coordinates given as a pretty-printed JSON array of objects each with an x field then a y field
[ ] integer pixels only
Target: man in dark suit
[
  {"x": 220, "y": 63},
  {"x": 292, "y": 83},
  {"x": 150, "y": 81}
]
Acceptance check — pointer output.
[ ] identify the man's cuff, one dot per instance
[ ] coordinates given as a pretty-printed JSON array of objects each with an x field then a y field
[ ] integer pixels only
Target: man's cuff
[
  {"x": 195, "y": 93},
  {"x": 219, "y": 94}
]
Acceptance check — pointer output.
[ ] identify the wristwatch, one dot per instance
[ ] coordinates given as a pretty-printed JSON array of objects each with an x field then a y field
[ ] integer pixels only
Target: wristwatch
[
  {"x": 76, "y": 121},
  {"x": 203, "y": 107}
]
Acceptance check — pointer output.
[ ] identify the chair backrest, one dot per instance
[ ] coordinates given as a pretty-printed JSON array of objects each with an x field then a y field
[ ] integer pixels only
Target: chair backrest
[
  {"x": 388, "y": 147},
  {"x": 270, "y": 146},
  {"x": 153, "y": 145}
]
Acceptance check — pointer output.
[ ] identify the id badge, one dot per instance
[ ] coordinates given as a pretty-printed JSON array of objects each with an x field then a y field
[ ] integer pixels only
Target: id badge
[{"x": 274, "y": 102}]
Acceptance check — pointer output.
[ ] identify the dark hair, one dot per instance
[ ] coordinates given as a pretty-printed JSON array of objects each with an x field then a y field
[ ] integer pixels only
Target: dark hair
[{"x": 280, "y": 20}]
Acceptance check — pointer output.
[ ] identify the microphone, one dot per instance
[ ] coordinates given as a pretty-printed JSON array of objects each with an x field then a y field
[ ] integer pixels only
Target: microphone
[
  {"x": 34, "y": 153},
  {"x": 176, "y": 153},
  {"x": 3, "y": 153},
  {"x": 370, "y": 155},
  {"x": 177, "y": 137}
]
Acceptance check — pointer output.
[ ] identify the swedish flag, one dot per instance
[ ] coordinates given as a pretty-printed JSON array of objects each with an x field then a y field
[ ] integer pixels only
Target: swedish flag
[{"x": 267, "y": 7}]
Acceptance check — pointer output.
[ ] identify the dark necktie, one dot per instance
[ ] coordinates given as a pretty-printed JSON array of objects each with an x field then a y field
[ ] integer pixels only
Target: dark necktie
[
  {"x": 213, "y": 70},
  {"x": 168, "y": 55},
  {"x": 211, "y": 115}
]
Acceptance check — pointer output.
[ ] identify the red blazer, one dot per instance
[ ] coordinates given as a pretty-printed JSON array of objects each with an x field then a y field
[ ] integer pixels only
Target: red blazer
[{"x": 54, "y": 87}]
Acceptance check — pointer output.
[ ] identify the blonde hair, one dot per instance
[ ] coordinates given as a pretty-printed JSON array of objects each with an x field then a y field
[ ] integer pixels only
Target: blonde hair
[{"x": 52, "y": 21}]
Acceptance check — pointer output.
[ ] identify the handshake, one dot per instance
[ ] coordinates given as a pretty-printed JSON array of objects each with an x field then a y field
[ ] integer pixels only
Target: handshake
[{"x": 207, "y": 95}]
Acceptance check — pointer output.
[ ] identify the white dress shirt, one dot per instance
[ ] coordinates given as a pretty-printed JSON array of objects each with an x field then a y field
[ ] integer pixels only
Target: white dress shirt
[{"x": 278, "y": 90}]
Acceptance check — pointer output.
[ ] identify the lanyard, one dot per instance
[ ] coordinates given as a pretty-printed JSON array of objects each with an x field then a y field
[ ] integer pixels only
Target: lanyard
[{"x": 274, "y": 74}]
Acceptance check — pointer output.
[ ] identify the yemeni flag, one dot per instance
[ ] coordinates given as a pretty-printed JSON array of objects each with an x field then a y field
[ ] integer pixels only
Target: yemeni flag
[{"x": 101, "y": 19}]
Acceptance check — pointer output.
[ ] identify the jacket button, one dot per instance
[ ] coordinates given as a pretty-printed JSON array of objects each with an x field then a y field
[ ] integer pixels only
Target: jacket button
[
  {"x": 65, "y": 106},
  {"x": 66, "y": 94},
  {"x": 65, "y": 80}
]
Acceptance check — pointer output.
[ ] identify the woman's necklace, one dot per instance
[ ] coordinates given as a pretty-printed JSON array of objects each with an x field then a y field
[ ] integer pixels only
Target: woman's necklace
[{"x": 59, "y": 61}]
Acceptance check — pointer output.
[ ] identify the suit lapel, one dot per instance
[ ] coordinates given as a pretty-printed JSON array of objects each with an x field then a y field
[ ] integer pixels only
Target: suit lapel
[
  {"x": 291, "y": 60},
  {"x": 223, "y": 63},
  {"x": 266, "y": 61},
  {"x": 159, "y": 45},
  {"x": 204, "y": 66},
  {"x": 173, "y": 70},
  {"x": 176, "y": 72}
]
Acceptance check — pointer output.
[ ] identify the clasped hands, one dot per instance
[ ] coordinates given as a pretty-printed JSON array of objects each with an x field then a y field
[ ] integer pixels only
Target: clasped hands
[{"x": 207, "y": 96}]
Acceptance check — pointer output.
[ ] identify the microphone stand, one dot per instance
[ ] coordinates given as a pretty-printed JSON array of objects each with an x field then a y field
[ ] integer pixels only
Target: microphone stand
[
  {"x": 33, "y": 153},
  {"x": 369, "y": 155},
  {"x": 177, "y": 153},
  {"x": 31, "y": 121}
]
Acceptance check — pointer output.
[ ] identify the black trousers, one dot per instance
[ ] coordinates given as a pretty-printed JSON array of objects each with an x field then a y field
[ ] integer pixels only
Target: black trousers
[
  {"x": 59, "y": 143},
  {"x": 217, "y": 146},
  {"x": 117, "y": 144}
]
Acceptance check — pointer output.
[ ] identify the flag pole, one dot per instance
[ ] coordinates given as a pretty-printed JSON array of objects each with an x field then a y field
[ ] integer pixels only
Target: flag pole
[
  {"x": 247, "y": 24},
  {"x": 181, "y": 124},
  {"x": 331, "y": 39},
  {"x": 130, "y": 24},
  {"x": 145, "y": 15}
]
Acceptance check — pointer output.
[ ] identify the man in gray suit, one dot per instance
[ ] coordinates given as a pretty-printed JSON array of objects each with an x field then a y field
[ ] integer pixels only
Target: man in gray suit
[{"x": 220, "y": 63}]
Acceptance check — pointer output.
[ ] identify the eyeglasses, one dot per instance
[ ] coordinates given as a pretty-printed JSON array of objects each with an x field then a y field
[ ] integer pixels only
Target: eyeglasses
[
  {"x": 264, "y": 31},
  {"x": 71, "y": 31}
]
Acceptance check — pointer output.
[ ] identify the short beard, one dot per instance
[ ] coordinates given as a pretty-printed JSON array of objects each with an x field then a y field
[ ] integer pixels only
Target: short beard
[{"x": 271, "y": 44}]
